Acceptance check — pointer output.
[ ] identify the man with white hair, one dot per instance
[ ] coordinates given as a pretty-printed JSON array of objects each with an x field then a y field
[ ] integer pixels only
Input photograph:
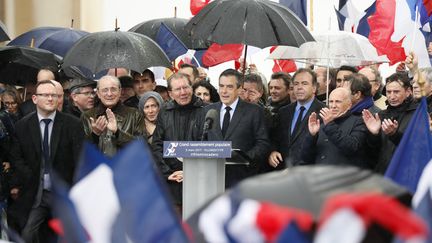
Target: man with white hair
[
  {"x": 111, "y": 125},
  {"x": 426, "y": 75}
]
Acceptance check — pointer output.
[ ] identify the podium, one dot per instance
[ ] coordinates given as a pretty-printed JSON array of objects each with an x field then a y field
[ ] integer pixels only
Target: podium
[
  {"x": 203, "y": 170},
  {"x": 203, "y": 179}
]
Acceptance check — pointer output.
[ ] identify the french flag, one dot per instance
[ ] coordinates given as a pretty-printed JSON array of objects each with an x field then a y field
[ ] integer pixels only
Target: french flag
[
  {"x": 117, "y": 200},
  {"x": 422, "y": 200},
  {"x": 230, "y": 219},
  {"x": 394, "y": 27},
  {"x": 354, "y": 213}
]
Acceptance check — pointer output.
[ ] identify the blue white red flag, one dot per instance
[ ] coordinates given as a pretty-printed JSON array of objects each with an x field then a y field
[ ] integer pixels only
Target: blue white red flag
[{"x": 118, "y": 200}]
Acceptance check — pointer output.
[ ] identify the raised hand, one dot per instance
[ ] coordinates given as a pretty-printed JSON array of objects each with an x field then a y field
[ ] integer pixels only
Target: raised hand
[
  {"x": 313, "y": 124},
  {"x": 112, "y": 122},
  {"x": 98, "y": 126},
  {"x": 373, "y": 123},
  {"x": 326, "y": 115},
  {"x": 411, "y": 62}
]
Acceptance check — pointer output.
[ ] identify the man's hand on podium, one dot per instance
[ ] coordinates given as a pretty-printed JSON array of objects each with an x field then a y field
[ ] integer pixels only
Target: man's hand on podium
[{"x": 176, "y": 176}]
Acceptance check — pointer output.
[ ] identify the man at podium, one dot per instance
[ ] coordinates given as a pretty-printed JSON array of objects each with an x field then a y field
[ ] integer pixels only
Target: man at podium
[{"x": 241, "y": 123}]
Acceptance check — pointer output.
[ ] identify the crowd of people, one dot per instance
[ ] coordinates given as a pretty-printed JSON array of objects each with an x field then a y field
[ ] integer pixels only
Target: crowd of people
[{"x": 353, "y": 117}]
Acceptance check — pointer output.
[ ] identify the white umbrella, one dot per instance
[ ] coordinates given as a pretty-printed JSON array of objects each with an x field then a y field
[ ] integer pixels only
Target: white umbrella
[{"x": 332, "y": 49}]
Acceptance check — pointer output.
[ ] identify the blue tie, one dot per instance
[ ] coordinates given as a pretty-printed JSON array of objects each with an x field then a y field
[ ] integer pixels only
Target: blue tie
[
  {"x": 45, "y": 144},
  {"x": 299, "y": 120}
]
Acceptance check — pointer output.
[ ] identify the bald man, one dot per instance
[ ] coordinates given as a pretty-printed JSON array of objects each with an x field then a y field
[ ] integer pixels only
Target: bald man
[{"x": 339, "y": 137}]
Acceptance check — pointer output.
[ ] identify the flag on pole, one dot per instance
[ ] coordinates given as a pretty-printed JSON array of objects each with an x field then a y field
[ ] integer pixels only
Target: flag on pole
[
  {"x": 217, "y": 54},
  {"x": 299, "y": 8},
  {"x": 170, "y": 43}
]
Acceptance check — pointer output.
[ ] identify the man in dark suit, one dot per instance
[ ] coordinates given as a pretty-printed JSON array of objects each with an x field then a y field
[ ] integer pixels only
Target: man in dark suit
[
  {"x": 241, "y": 123},
  {"x": 292, "y": 127},
  {"x": 45, "y": 141}
]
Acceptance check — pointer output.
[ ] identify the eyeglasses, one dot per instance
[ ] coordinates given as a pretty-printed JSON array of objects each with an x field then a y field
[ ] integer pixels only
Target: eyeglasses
[
  {"x": 10, "y": 103},
  {"x": 113, "y": 90},
  {"x": 46, "y": 96},
  {"x": 89, "y": 93},
  {"x": 180, "y": 88}
]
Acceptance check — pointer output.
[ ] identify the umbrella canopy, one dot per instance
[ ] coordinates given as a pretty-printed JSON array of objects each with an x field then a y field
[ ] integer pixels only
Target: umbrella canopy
[
  {"x": 259, "y": 23},
  {"x": 309, "y": 187},
  {"x": 114, "y": 49},
  {"x": 3, "y": 35},
  {"x": 333, "y": 49},
  {"x": 19, "y": 64},
  {"x": 150, "y": 28},
  {"x": 55, "y": 39}
]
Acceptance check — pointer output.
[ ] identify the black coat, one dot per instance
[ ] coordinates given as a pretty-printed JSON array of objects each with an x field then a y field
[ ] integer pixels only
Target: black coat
[
  {"x": 174, "y": 123},
  {"x": 26, "y": 158},
  {"x": 247, "y": 131},
  {"x": 340, "y": 142},
  {"x": 386, "y": 145},
  {"x": 290, "y": 145}
]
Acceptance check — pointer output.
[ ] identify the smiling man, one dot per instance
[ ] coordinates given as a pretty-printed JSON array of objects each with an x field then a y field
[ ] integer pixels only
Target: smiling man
[
  {"x": 44, "y": 142},
  {"x": 389, "y": 126},
  {"x": 340, "y": 139},
  {"x": 111, "y": 125}
]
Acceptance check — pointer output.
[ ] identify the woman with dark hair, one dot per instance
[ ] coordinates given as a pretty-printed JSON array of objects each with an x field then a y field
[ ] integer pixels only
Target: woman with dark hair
[{"x": 205, "y": 91}]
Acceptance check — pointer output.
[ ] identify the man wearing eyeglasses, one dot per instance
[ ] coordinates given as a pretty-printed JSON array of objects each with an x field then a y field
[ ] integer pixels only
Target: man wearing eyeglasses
[
  {"x": 45, "y": 141},
  {"x": 111, "y": 125},
  {"x": 176, "y": 122},
  {"x": 82, "y": 96}
]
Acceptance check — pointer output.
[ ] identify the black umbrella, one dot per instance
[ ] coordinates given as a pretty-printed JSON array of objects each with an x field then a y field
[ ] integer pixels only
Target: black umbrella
[
  {"x": 3, "y": 35},
  {"x": 150, "y": 28},
  {"x": 115, "y": 49},
  {"x": 308, "y": 187},
  {"x": 19, "y": 64},
  {"x": 259, "y": 23}
]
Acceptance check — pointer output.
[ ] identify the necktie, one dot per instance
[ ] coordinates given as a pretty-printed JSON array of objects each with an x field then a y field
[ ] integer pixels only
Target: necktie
[
  {"x": 299, "y": 119},
  {"x": 226, "y": 120},
  {"x": 45, "y": 144}
]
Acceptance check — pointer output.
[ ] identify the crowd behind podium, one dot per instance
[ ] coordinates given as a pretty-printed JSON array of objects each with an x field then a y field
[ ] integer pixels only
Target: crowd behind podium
[{"x": 289, "y": 120}]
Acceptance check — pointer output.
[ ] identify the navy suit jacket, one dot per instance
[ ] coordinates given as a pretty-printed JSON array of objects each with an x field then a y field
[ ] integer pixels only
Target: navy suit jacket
[
  {"x": 290, "y": 145},
  {"x": 247, "y": 131}
]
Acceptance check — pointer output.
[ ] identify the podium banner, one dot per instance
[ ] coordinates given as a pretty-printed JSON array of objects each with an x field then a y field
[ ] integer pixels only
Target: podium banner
[{"x": 197, "y": 149}]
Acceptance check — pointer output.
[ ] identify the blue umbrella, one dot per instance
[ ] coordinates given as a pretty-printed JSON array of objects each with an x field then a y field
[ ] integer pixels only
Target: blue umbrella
[{"x": 55, "y": 39}]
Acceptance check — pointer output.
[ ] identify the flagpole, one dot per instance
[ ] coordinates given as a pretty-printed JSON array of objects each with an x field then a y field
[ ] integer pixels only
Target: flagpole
[
  {"x": 311, "y": 25},
  {"x": 414, "y": 29}
]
